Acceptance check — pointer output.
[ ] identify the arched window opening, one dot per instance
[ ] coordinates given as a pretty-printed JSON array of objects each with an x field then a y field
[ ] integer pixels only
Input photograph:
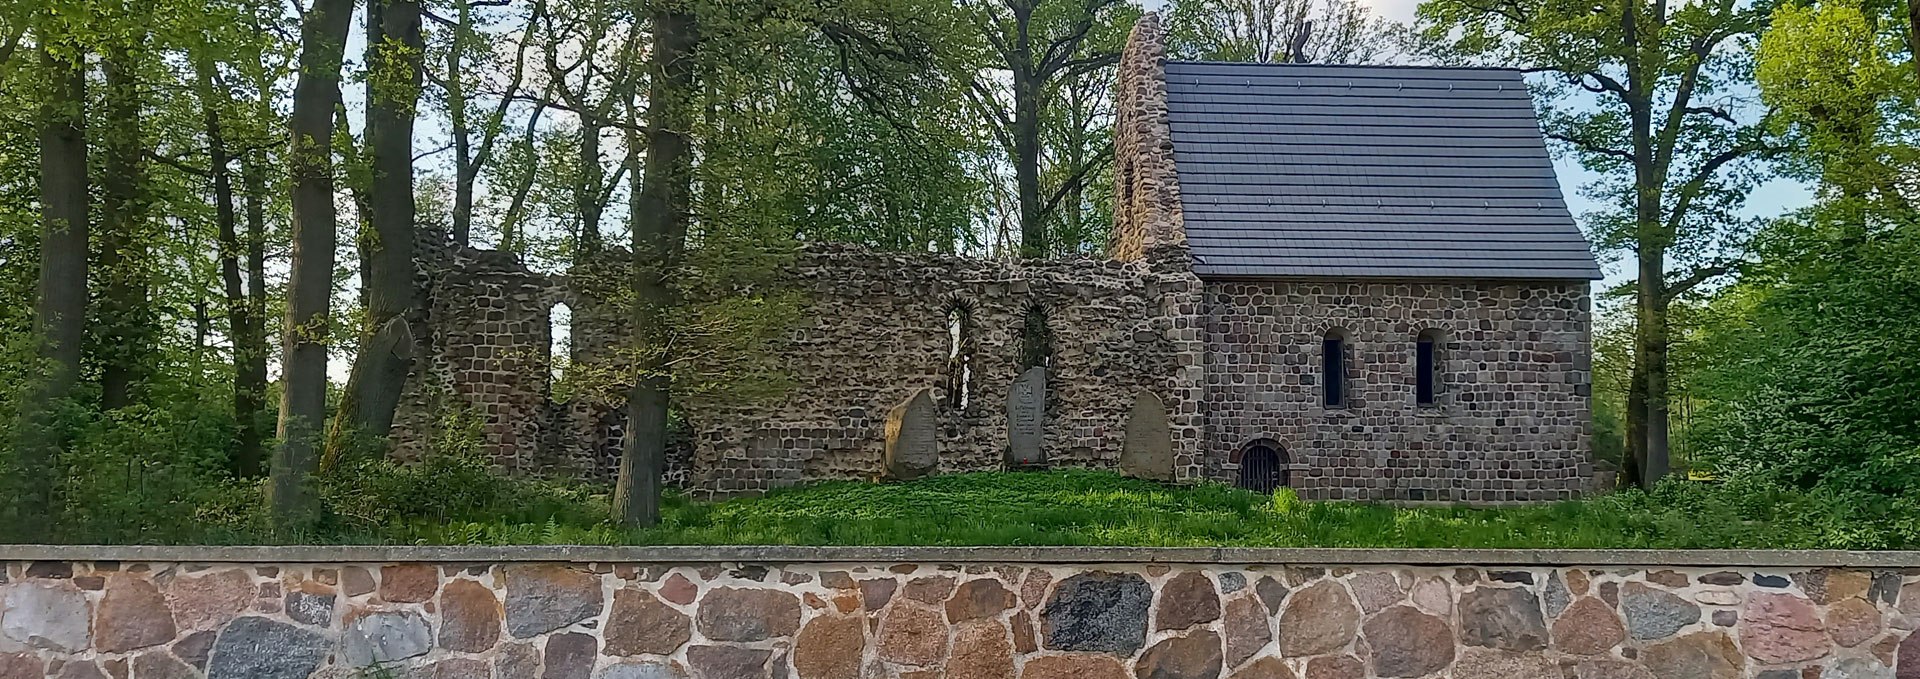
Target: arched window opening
[
  {"x": 1333, "y": 369},
  {"x": 1426, "y": 359},
  {"x": 559, "y": 339},
  {"x": 959, "y": 356},
  {"x": 1263, "y": 466},
  {"x": 1036, "y": 339}
]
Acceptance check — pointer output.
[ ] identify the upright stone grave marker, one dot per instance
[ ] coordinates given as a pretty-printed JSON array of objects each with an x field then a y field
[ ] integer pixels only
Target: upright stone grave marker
[
  {"x": 1027, "y": 418},
  {"x": 913, "y": 446},
  {"x": 1147, "y": 452}
]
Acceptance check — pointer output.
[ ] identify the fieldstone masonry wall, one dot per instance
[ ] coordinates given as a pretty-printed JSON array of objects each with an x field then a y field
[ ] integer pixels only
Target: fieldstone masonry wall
[
  {"x": 901, "y": 620},
  {"x": 1510, "y": 421}
]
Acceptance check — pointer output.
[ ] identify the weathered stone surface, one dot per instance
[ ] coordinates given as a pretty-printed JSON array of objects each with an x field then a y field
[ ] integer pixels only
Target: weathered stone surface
[
  {"x": 1554, "y": 595},
  {"x": 1073, "y": 667},
  {"x": 132, "y": 615},
  {"x": 1186, "y": 600},
  {"x": 409, "y": 582},
  {"x": 570, "y": 655},
  {"x": 641, "y": 623},
  {"x": 1025, "y": 638},
  {"x": 1264, "y": 668},
  {"x": 1828, "y": 585},
  {"x": 728, "y": 662},
  {"x": 980, "y": 651},
  {"x": 1588, "y": 627},
  {"x": 542, "y": 598},
  {"x": 253, "y": 647},
  {"x": 1195, "y": 656},
  {"x": 1506, "y": 618},
  {"x": 1336, "y": 667},
  {"x": 1667, "y": 578},
  {"x": 1782, "y": 628},
  {"x": 876, "y": 592},
  {"x": 1406, "y": 643},
  {"x": 451, "y": 668},
  {"x": 1724, "y": 578},
  {"x": 516, "y": 659},
  {"x": 22, "y": 666},
  {"x": 1655, "y": 614},
  {"x": 194, "y": 648},
  {"x": 830, "y": 647},
  {"x": 732, "y": 614},
  {"x": 646, "y": 669},
  {"x": 1319, "y": 619},
  {"x": 1376, "y": 590},
  {"x": 158, "y": 665},
  {"x": 1483, "y": 663},
  {"x": 679, "y": 589},
  {"x": 1852, "y": 622},
  {"x": 355, "y": 581},
  {"x": 51, "y": 615},
  {"x": 1610, "y": 669},
  {"x": 1033, "y": 590},
  {"x": 912, "y": 438},
  {"x": 1434, "y": 595},
  {"x": 310, "y": 607},
  {"x": 1027, "y": 418},
  {"x": 79, "y": 669},
  {"x": 1146, "y": 452},
  {"x": 470, "y": 617},
  {"x": 1857, "y": 668},
  {"x": 1771, "y": 581},
  {"x": 1700, "y": 655},
  {"x": 931, "y": 589},
  {"x": 983, "y": 598},
  {"x": 385, "y": 636},
  {"x": 208, "y": 601},
  {"x": 1907, "y": 657},
  {"x": 1245, "y": 628},
  {"x": 1098, "y": 611},
  {"x": 1272, "y": 593},
  {"x": 912, "y": 635},
  {"x": 1717, "y": 598}
]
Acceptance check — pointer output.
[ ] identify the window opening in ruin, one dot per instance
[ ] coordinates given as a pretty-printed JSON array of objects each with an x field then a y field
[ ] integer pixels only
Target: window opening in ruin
[
  {"x": 1333, "y": 369},
  {"x": 959, "y": 356},
  {"x": 1426, "y": 367},
  {"x": 1036, "y": 339},
  {"x": 559, "y": 339},
  {"x": 1262, "y": 467}
]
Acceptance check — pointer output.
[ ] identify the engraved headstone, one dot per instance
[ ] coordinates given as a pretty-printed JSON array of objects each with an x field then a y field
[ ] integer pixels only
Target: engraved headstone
[
  {"x": 1027, "y": 418},
  {"x": 1147, "y": 452},
  {"x": 913, "y": 447}
]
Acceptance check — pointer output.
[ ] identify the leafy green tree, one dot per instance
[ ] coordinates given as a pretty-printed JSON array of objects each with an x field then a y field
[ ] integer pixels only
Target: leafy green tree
[
  {"x": 1280, "y": 31},
  {"x": 1648, "y": 95}
]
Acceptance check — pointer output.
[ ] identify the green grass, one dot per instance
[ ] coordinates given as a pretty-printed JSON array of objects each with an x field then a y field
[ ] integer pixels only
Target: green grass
[{"x": 1068, "y": 507}]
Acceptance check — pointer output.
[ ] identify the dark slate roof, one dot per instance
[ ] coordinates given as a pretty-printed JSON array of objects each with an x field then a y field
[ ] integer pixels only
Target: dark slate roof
[{"x": 1367, "y": 171}]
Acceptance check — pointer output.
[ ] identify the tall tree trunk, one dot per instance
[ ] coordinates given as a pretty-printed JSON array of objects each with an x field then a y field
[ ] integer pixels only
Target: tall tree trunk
[
  {"x": 250, "y": 344},
  {"x": 1653, "y": 341},
  {"x": 1026, "y": 143},
  {"x": 587, "y": 195},
  {"x": 125, "y": 338},
  {"x": 61, "y": 311},
  {"x": 303, "y": 395},
  {"x": 386, "y": 346},
  {"x": 465, "y": 171},
  {"x": 660, "y": 211},
  {"x": 1913, "y": 34},
  {"x": 246, "y": 395}
]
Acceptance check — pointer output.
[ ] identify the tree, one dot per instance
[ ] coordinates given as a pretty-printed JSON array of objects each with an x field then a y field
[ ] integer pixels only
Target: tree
[
  {"x": 1279, "y": 32},
  {"x": 303, "y": 378},
  {"x": 125, "y": 345},
  {"x": 1041, "y": 45},
  {"x": 473, "y": 148},
  {"x": 1646, "y": 94},
  {"x": 385, "y": 353}
]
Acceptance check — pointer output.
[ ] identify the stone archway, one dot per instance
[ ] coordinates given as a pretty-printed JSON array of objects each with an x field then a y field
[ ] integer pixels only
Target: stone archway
[{"x": 1263, "y": 466}]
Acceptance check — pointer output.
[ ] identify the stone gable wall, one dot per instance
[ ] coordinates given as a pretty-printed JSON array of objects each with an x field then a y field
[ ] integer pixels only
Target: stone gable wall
[
  {"x": 1147, "y": 213},
  {"x": 896, "y": 620},
  {"x": 1512, "y": 417}
]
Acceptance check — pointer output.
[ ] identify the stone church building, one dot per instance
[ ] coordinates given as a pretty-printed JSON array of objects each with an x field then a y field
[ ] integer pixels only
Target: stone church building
[{"x": 1359, "y": 282}]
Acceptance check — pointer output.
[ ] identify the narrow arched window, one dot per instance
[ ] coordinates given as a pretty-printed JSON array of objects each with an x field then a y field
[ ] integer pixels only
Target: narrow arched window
[
  {"x": 1333, "y": 369},
  {"x": 559, "y": 338},
  {"x": 1036, "y": 339},
  {"x": 959, "y": 356},
  {"x": 1426, "y": 366}
]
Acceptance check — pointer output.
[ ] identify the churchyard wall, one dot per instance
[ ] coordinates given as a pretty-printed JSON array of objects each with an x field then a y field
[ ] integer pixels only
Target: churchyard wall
[
  {"x": 894, "y": 613},
  {"x": 1510, "y": 421}
]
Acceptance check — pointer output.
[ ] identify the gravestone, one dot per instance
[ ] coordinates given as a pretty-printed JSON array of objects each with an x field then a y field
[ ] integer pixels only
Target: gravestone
[
  {"x": 1027, "y": 418},
  {"x": 1147, "y": 452},
  {"x": 913, "y": 447}
]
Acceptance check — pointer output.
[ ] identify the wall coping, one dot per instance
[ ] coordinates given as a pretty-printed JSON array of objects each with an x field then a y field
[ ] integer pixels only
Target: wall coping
[{"x": 778, "y": 554}]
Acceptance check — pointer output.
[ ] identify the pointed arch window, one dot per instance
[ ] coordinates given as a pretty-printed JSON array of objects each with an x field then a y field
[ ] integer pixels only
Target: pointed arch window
[{"x": 960, "y": 352}]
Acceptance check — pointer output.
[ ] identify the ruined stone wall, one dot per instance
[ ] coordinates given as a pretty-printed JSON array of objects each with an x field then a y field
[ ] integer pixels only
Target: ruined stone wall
[
  {"x": 877, "y": 330},
  {"x": 1511, "y": 422},
  {"x": 566, "y": 619},
  {"x": 1147, "y": 213}
]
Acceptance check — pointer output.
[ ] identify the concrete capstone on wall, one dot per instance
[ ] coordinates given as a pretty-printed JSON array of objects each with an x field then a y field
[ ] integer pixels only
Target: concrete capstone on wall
[{"x": 960, "y": 618}]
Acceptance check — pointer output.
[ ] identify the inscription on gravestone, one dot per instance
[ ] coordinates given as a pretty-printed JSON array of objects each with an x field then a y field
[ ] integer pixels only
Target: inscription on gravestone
[
  {"x": 1147, "y": 452},
  {"x": 913, "y": 449},
  {"x": 1027, "y": 418}
]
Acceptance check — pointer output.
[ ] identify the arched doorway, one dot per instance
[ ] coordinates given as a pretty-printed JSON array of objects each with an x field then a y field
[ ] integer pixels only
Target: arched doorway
[{"x": 1263, "y": 466}]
